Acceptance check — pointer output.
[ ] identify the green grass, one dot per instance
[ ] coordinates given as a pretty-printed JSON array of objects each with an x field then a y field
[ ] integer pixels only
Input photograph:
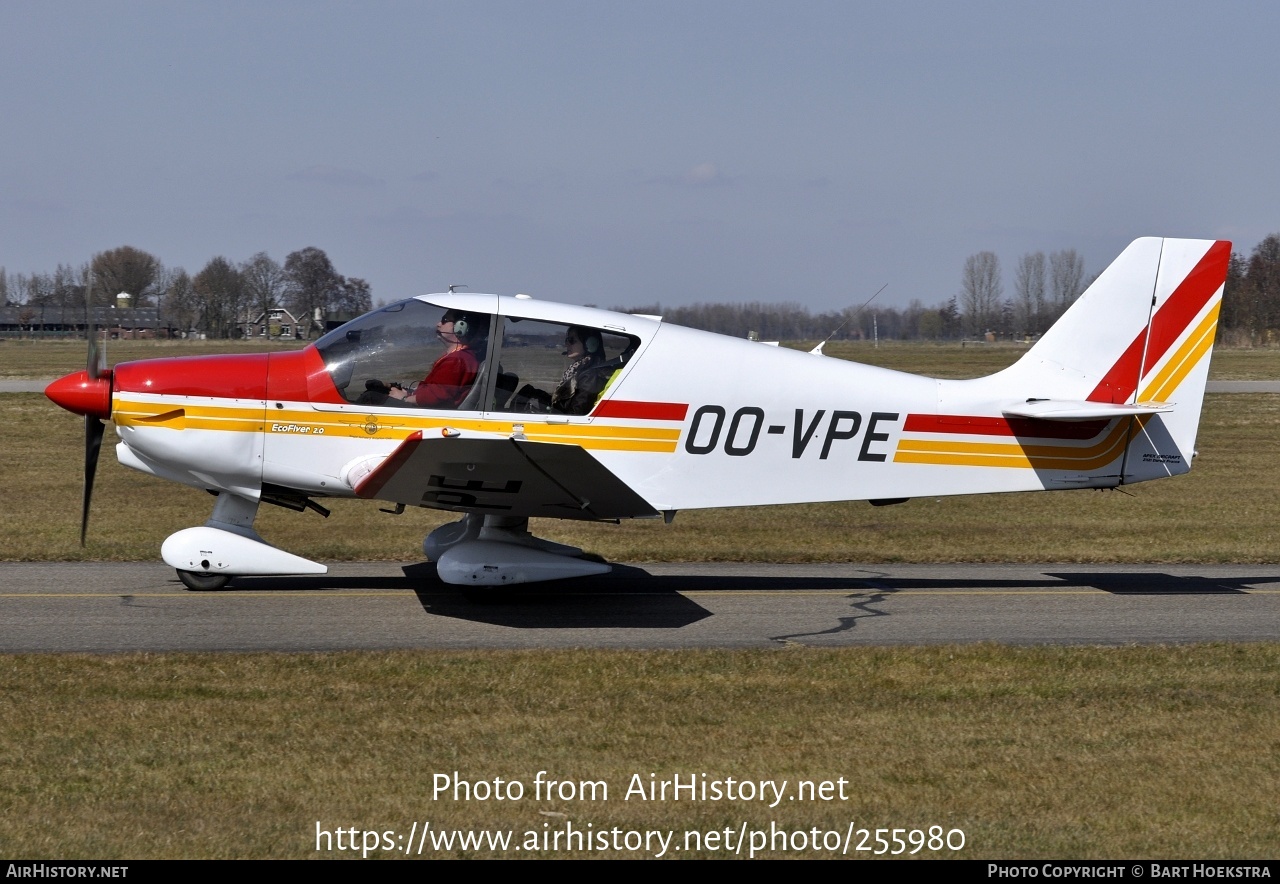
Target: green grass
[
  {"x": 48, "y": 359},
  {"x": 1032, "y": 752}
]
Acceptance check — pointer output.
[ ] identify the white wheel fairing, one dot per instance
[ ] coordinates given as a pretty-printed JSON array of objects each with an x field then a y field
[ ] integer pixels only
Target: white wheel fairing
[
  {"x": 214, "y": 551},
  {"x": 201, "y": 581}
]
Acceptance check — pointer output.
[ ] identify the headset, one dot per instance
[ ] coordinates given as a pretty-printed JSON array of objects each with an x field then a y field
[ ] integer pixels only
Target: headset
[
  {"x": 465, "y": 326},
  {"x": 591, "y": 341}
]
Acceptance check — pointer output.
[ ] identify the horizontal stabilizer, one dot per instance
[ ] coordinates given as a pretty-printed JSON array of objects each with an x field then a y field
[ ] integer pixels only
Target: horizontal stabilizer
[{"x": 1082, "y": 410}]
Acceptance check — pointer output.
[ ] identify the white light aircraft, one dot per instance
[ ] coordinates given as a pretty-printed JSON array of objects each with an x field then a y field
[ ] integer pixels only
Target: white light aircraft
[{"x": 529, "y": 408}]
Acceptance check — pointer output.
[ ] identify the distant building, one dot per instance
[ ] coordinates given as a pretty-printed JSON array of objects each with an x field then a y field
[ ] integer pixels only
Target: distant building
[
  {"x": 48, "y": 320},
  {"x": 274, "y": 323}
]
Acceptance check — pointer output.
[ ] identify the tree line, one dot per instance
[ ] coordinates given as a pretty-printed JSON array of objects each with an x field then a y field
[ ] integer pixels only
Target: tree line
[
  {"x": 1044, "y": 286},
  {"x": 217, "y": 301},
  {"x": 1251, "y": 308}
]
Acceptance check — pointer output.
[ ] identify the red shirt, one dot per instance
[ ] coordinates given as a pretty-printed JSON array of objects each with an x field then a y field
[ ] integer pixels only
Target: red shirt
[{"x": 449, "y": 380}]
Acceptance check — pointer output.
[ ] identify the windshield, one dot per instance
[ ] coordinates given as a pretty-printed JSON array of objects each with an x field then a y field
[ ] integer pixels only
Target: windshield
[{"x": 383, "y": 356}]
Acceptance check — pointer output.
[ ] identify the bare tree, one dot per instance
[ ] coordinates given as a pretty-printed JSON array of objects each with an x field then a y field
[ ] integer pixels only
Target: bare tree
[
  {"x": 265, "y": 284},
  {"x": 355, "y": 297},
  {"x": 221, "y": 289},
  {"x": 980, "y": 291},
  {"x": 180, "y": 304},
  {"x": 1263, "y": 283},
  {"x": 1239, "y": 303},
  {"x": 314, "y": 286},
  {"x": 1066, "y": 276},
  {"x": 19, "y": 292},
  {"x": 1029, "y": 294},
  {"x": 38, "y": 289},
  {"x": 67, "y": 290},
  {"x": 127, "y": 270}
]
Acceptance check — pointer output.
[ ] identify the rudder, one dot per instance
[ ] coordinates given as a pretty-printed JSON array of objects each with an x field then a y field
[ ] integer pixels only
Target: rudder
[{"x": 1143, "y": 332}]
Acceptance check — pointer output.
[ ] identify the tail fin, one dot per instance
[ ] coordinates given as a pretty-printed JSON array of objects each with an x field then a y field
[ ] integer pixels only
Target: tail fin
[{"x": 1141, "y": 337}]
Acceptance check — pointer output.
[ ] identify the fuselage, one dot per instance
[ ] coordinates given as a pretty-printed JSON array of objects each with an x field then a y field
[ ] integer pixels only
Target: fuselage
[{"x": 690, "y": 419}]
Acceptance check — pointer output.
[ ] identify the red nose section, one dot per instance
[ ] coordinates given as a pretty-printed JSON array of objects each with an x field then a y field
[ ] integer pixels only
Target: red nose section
[
  {"x": 82, "y": 394},
  {"x": 237, "y": 376}
]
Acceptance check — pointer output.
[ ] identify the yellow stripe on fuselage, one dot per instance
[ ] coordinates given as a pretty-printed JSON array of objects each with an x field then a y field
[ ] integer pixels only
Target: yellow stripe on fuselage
[
  {"x": 207, "y": 415},
  {"x": 1013, "y": 454}
]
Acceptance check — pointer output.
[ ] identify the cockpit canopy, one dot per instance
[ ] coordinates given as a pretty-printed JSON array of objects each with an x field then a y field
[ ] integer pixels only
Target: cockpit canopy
[{"x": 513, "y": 363}]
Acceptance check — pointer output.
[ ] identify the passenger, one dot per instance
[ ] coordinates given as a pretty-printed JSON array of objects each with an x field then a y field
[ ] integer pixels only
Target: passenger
[
  {"x": 586, "y": 375},
  {"x": 465, "y": 336}
]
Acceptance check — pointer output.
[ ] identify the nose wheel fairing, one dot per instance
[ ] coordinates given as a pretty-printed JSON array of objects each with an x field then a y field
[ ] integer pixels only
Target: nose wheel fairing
[{"x": 226, "y": 546}]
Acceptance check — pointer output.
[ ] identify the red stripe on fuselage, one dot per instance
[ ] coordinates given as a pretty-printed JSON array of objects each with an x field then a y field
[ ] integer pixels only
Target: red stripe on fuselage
[
  {"x": 1170, "y": 321},
  {"x": 1022, "y": 427},
  {"x": 644, "y": 411}
]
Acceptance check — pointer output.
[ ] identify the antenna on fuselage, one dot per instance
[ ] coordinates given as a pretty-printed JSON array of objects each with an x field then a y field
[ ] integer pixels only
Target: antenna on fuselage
[
  {"x": 456, "y": 285},
  {"x": 817, "y": 351}
]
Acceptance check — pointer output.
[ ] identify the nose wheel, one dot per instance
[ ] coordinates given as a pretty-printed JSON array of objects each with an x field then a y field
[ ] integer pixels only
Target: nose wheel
[{"x": 203, "y": 581}]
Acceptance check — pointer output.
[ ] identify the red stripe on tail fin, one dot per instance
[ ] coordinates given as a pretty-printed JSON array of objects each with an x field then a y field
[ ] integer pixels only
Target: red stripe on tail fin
[{"x": 1170, "y": 321}]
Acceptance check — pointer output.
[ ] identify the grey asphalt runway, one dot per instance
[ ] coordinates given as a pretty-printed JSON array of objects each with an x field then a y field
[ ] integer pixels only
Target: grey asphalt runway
[{"x": 62, "y": 607}]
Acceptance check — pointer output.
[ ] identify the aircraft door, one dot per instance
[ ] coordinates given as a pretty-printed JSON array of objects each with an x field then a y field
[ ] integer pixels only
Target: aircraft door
[{"x": 553, "y": 371}]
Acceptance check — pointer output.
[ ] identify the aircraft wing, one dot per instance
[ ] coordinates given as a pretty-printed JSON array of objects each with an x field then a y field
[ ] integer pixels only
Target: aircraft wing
[
  {"x": 1082, "y": 410},
  {"x": 502, "y": 477}
]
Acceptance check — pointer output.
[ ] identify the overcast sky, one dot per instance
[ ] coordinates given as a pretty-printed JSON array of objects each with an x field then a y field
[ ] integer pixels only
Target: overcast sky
[{"x": 633, "y": 153}]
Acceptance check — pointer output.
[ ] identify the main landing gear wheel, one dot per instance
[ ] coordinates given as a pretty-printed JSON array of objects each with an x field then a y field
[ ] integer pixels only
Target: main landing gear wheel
[{"x": 202, "y": 581}]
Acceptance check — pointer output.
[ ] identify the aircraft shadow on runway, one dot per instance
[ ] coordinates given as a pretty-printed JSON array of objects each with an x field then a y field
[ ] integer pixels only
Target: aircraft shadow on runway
[
  {"x": 632, "y": 598},
  {"x": 1155, "y": 583},
  {"x": 627, "y": 598}
]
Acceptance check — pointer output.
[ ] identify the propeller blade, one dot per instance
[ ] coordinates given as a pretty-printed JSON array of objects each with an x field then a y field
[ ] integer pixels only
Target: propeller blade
[
  {"x": 93, "y": 430},
  {"x": 97, "y": 363},
  {"x": 96, "y": 368}
]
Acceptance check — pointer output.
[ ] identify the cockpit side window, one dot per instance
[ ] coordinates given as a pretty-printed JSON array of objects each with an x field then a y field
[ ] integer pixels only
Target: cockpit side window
[
  {"x": 408, "y": 354},
  {"x": 557, "y": 368}
]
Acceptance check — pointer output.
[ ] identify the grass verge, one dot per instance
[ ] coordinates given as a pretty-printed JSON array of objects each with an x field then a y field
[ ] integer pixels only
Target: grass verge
[{"x": 1032, "y": 752}]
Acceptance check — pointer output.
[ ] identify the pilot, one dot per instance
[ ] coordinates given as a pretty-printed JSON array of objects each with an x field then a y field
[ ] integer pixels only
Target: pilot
[
  {"x": 586, "y": 374},
  {"x": 465, "y": 336}
]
